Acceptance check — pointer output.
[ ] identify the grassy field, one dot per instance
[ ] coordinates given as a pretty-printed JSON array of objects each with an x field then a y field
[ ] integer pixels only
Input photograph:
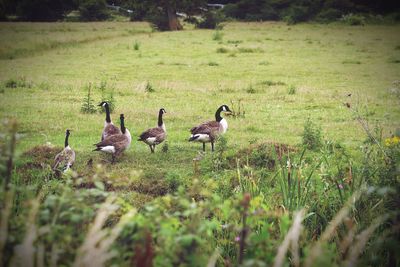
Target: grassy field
[
  {"x": 323, "y": 63},
  {"x": 281, "y": 74}
]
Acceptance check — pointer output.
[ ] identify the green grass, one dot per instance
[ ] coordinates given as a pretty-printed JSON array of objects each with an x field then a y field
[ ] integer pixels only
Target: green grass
[{"x": 190, "y": 80}]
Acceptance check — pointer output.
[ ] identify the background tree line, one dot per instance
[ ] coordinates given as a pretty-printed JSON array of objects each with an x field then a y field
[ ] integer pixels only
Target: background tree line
[{"x": 163, "y": 13}]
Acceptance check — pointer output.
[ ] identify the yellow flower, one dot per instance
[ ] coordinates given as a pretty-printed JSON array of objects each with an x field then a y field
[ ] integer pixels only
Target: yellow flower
[{"x": 393, "y": 141}]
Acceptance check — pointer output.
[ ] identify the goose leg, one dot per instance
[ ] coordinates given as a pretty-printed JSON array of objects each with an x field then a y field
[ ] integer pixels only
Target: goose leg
[
  {"x": 113, "y": 159},
  {"x": 151, "y": 148},
  {"x": 204, "y": 147},
  {"x": 212, "y": 146}
]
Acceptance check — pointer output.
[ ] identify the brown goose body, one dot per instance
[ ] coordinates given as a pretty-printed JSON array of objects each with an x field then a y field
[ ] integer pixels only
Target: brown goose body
[
  {"x": 207, "y": 132},
  {"x": 157, "y": 135},
  {"x": 109, "y": 130},
  {"x": 66, "y": 158},
  {"x": 117, "y": 143}
]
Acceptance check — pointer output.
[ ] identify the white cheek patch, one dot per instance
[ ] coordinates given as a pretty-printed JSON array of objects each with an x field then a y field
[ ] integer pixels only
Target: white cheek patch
[
  {"x": 201, "y": 138},
  {"x": 108, "y": 149}
]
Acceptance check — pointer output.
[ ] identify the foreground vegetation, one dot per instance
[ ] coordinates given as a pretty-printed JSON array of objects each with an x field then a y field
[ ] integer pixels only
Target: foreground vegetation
[{"x": 307, "y": 174}]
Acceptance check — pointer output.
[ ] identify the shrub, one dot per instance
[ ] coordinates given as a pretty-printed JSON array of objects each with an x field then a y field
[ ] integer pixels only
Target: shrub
[
  {"x": 43, "y": 10},
  {"x": 311, "y": 135},
  {"x": 297, "y": 14},
  {"x": 217, "y": 36},
  {"x": 210, "y": 20},
  {"x": 93, "y": 10},
  {"x": 353, "y": 19},
  {"x": 136, "y": 45},
  {"x": 328, "y": 15},
  {"x": 87, "y": 105}
]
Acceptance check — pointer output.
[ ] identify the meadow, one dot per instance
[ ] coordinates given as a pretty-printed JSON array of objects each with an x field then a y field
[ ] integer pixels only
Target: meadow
[{"x": 282, "y": 76}]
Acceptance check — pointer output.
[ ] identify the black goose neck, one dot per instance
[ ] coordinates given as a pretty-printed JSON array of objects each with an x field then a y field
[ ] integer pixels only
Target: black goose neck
[
  {"x": 160, "y": 120},
  {"x": 66, "y": 139},
  {"x": 122, "y": 125},
  {"x": 218, "y": 114},
  {"x": 108, "y": 118}
]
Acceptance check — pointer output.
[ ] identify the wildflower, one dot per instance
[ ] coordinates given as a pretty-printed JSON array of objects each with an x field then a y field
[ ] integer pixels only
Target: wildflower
[
  {"x": 340, "y": 186},
  {"x": 237, "y": 239},
  {"x": 393, "y": 141}
]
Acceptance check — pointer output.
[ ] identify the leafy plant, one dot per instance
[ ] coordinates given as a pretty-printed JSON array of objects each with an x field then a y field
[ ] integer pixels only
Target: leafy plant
[
  {"x": 149, "y": 88},
  {"x": 217, "y": 36},
  {"x": 291, "y": 90},
  {"x": 87, "y": 105},
  {"x": 295, "y": 184},
  {"x": 311, "y": 136},
  {"x": 136, "y": 45}
]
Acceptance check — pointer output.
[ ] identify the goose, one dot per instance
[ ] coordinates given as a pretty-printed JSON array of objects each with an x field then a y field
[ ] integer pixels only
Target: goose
[
  {"x": 117, "y": 143},
  {"x": 109, "y": 128},
  {"x": 155, "y": 136},
  {"x": 66, "y": 158},
  {"x": 208, "y": 131}
]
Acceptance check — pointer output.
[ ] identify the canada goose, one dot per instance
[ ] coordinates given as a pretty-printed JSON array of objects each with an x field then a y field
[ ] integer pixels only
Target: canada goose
[
  {"x": 109, "y": 128},
  {"x": 117, "y": 143},
  {"x": 208, "y": 131},
  {"x": 66, "y": 158},
  {"x": 155, "y": 136}
]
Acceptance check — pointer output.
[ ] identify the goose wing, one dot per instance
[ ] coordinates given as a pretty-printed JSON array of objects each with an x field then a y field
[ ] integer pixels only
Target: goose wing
[
  {"x": 157, "y": 133},
  {"x": 210, "y": 127},
  {"x": 118, "y": 141},
  {"x": 109, "y": 130}
]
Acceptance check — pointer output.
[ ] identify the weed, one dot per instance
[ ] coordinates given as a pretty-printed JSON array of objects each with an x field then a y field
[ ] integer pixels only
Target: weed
[
  {"x": 173, "y": 180},
  {"x": 222, "y": 50},
  {"x": 87, "y": 105},
  {"x": 234, "y": 41},
  {"x": 311, "y": 135},
  {"x": 291, "y": 89},
  {"x": 149, "y": 88},
  {"x": 351, "y": 62},
  {"x": 165, "y": 147},
  {"x": 213, "y": 64},
  {"x": 272, "y": 83},
  {"x": 264, "y": 63},
  {"x": 18, "y": 83},
  {"x": 136, "y": 45},
  {"x": 217, "y": 36},
  {"x": 250, "y": 50},
  {"x": 237, "y": 108},
  {"x": 218, "y": 158},
  {"x": 44, "y": 86},
  {"x": 251, "y": 89}
]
